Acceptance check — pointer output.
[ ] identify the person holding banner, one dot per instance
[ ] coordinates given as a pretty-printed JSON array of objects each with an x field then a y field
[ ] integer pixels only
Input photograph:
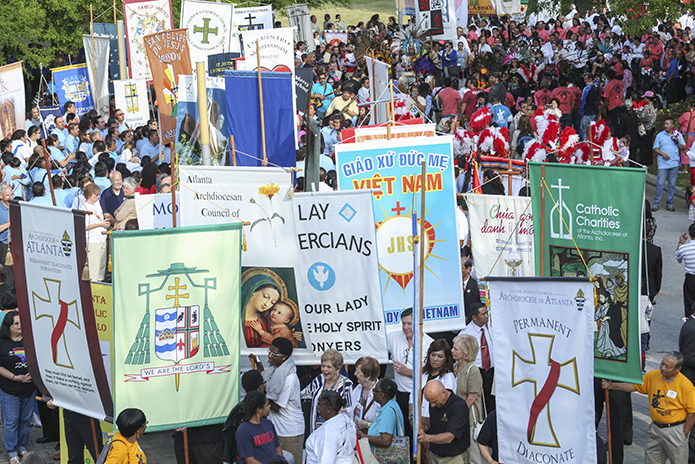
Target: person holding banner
[
  {"x": 17, "y": 390},
  {"x": 448, "y": 434},
  {"x": 439, "y": 365}
]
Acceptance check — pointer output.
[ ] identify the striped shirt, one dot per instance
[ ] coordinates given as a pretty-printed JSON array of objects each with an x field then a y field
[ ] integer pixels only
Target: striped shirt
[{"x": 686, "y": 253}]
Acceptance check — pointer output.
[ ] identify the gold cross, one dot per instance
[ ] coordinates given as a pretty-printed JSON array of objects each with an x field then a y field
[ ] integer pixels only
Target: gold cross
[{"x": 176, "y": 295}]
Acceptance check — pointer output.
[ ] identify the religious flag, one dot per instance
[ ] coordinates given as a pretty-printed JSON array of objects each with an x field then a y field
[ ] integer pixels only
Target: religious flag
[
  {"x": 598, "y": 210},
  {"x": 501, "y": 229},
  {"x": 12, "y": 103},
  {"x": 175, "y": 316},
  {"x": 98, "y": 61},
  {"x": 392, "y": 170},
  {"x": 542, "y": 332},
  {"x": 58, "y": 321},
  {"x": 300, "y": 19},
  {"x": 48, "y": 115},
  {"x": 132, "y": 98},
  {"x": 209, "y": 26},
  {"x": 254, "y": 17},
  {"x": 111, "y": 30},
  {"x": 276, "y": 50},
  {"x": 142, "y": 18},
  {"x": 335, "y": 37},
  {"x": 341, "y": 274},
  {"x": 303, "y": 80},
  {"x": 379, "y": 89},
  {"x": 244, "y": 117},
  {"x": 220, "y": 62},
  {"x": 73, "y": 85},
  {"x": 169, "y": 57},
  {"x": 437, "y": 18}
]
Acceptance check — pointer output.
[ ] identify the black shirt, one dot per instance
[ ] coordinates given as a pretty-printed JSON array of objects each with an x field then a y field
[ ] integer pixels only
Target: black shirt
[
  {"x": 452, "y": 418},
  {"x": 488, "y": 434},
  {"x": 14, "y": 359}
]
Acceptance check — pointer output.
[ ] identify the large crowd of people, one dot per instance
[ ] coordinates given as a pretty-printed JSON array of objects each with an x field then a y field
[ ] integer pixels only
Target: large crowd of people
[{"x": 577, "y": 69}]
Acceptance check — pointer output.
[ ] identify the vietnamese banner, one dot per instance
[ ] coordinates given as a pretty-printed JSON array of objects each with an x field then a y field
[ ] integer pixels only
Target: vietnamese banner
[
  {"x": 174, "y": 323},
  {"x": 169, "y": 57},
  {"x": 97, "y": 58},
  {"x": 392, "y": 169},
  {"x": 339, "y": 271},
  {"x": 73, "y": 85},
  {"x": 362, "y": 134},
  {"x": 131, "y": 98},
  {"x": 600, "y": 211},
  {"x": 260, "y": 196},
  {"x": 154, "y": 211},
  {"x": 12, "y": 100},
  {"x": 142, "y": 18},
  {"x": 542, "y": 334},
  {"x": 59, "y": 327},
  {"x": 209, "y": 26},
  {"x": 253, "y": 18},
  {"x": 188, "y": 147},
  {"x": 501, "y": 229},
  {"x": 220, "y": 62}
]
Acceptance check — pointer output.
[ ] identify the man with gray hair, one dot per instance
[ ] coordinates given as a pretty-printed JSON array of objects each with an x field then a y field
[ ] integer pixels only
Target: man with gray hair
[
  {"x": 111, "y": 198},
  {"x": 671, "y": 407}
]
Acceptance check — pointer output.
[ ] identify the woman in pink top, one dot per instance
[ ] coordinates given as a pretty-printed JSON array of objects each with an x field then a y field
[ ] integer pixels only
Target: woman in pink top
[{"x": 687, "y": 123}]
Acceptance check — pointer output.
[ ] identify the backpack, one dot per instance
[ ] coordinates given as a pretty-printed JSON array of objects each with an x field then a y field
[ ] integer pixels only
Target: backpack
[
  {"x": 105, "y": 451},
  {"x": 235, "y": 418},
  {"x": 521, "y": 144},
  {"x": 436, "y": 102}
]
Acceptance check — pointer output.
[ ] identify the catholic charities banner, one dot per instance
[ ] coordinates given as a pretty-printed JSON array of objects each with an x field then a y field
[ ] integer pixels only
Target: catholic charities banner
[
  {"x": 131, "y": 98},
  {"x": 542, "y": 333},
  {"x": 259, "y": 196},
  {"x": 55, "y": 304},
  {"x": 393, "y": 171},
  {"x": 339, "y": 270},
  {"x": 501, "y": 229},
  {"x": 600, "y": 210},
  {"x": 169, "y": 56},
  {"x": 142, "y": 18},
  {"x": 174, "y": 323}
]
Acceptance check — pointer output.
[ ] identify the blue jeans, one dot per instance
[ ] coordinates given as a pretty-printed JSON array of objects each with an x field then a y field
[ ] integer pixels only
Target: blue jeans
[
  {"x": 16, "y": 419},
  {"x": 587, "y": 119},
  {"x": 672, "y": 174}
]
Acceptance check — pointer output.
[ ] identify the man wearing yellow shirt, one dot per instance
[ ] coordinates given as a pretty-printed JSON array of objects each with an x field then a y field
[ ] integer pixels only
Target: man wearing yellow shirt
[
  {"x": 671, "y": 407},
  {"x": 345, "y": 104}
]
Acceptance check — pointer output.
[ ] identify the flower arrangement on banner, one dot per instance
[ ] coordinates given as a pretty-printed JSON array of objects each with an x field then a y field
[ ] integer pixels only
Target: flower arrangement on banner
[
  {"x": 551, "y": 139},
  {"x": 480, "y": 137}
]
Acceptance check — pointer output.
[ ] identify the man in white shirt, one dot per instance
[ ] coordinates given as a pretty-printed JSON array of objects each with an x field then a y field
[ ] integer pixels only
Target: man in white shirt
[
  {"x": 478, "y": 328},
  {"x": 401, "y": 353}
]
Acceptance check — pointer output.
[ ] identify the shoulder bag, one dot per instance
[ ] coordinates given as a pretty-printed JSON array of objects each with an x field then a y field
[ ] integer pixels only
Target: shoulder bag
[{"x": 399, "y": 450}]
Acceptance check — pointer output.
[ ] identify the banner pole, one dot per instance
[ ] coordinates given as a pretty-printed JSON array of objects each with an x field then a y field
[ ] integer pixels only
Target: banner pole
[
  {"x": 173, "y": 184},
  {"x": 231, "y": 144},
  {"x": 393, "y": 115},
  {"x": 94, "y": 66},
  {"x": 114, "y": 12},
  {"x": 121, "y": 57},
  {"x": 542, "y": 252},
  {"x": 608, "y": 428},
  {"x": 260, "y": 96},
  {"x": 421, "y": 270},
  {"x": 47, "y": 160},
  {"x": 185, "y": 444},
  {"x": 203, "y": 114},
  {"x": 94, "y": 435},
  {"x": 374, "y": 98}
]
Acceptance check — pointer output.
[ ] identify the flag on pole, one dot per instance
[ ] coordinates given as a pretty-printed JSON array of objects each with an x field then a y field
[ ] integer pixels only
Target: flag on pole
[
  {"x": 98, "y": 61},
  {"x": 12, "y": 104},
  {"x": 73, "y": 84},
  {"x": 209, "y": 26},
  {"x": 142, "y": 18},
  {"x": 131, "y": 98}
]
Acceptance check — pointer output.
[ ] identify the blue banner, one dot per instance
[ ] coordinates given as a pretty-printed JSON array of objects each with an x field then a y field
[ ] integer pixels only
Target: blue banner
[
  {"x": 393, "y": 170},
  {"x": 221, "y": 62},
  {"x": 72, "y": 84},
  {"x": 244, "y": 117},
  {"x": 48, "y": 115},
  {"x": 114, "y": 63}
]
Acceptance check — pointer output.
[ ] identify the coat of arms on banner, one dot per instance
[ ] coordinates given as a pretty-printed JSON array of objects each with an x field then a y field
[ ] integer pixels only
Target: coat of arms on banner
[
  {"x": 76, "y": 88},
  {"x": 132, "y": 100},
  {"x": 177, "y": 327}
]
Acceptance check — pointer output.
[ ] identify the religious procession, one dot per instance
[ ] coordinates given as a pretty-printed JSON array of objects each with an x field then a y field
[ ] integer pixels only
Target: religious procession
[{"x": 429, "y": 237}]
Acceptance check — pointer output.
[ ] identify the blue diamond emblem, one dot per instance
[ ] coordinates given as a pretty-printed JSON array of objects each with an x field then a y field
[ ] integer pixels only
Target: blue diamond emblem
[{"x": 348, "y": 212}]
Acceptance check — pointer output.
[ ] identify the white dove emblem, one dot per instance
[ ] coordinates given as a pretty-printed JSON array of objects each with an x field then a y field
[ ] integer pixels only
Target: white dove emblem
[{"x": 321, "y": 275}]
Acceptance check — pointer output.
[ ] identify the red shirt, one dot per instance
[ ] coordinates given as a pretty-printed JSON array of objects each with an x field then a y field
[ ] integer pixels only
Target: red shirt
[
  {"x": 542, "y": 98},
  {"x": 577, "y": 96},
  {"x": 613, "y": 93},
  {"x": 565, "y": 95},
  {"x": 450, "y": 99},
  {"x": 470, "y": 100}
]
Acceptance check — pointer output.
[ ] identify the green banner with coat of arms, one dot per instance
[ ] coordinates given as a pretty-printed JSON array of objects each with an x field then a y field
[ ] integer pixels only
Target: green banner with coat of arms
[
  {"x": 592, "y": 220},
  {"x": 176, "y": 326}
]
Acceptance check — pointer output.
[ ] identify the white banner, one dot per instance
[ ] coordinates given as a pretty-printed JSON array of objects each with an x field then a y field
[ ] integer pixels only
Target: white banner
[
  {"x": 543, "y": 338},
  {"x": 254, "y": 17},
  {"x": 12, "y": 103},
  {"x": 155, "y": 211},
  {"x": 259, "y": 196},
  {"x": 299, "y": 18},
  {"x": 131, "y": 98},
  {"x": 335, "y": 37},
  {"x": 276, "y": 47},
  {"x": 437, "y": 16},
  {"x": 209, "y": 27},
  {"x": 58, "y": 320},
  {"x": 379, "y": 86},
  {"x": 144, "y": 17},
  {"x": 461, "y": 7},
  {"x": 339, "y": 270},
  {"x": 98, "y": 62},
  {"x": 501, "y": 226},
  {"x": 363, "y": 134}
]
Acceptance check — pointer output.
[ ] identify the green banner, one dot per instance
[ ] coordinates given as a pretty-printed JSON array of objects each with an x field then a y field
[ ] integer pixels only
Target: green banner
[
  {"x": 599, "y": 211},
  {"x": 176, "y": 323}
]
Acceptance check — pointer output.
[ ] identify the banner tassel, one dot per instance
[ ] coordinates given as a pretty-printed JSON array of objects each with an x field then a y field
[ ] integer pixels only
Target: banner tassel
[
  {"x": 8, "y": 258},
  {"x": 109, "y": 266},
  {"x": 243, "y": 240},
  {"x": 85, "y": 271},
  {"x": 290, "y": 194}
]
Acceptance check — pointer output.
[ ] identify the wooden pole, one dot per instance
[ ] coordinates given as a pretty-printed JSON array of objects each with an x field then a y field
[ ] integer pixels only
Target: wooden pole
[
  {"x": 421, "y": 290},
  {"x": 94, "y": 66},
  {"x": 47, "y": 161},
  {"x": 608, "y": 427},
  {"x": 374, "y": 96},
  {"x": 260, "y": 96},
  {"x": 94, "y": 434},
  {"x": 114, "y": 12},
  {"x": 185, "y": 445},
  {"x": 392, "y": 115},
  {"x": 231, "y": 144},
  {"x": 173, "y": 185},
  {"x": 542, "y": 253}
]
